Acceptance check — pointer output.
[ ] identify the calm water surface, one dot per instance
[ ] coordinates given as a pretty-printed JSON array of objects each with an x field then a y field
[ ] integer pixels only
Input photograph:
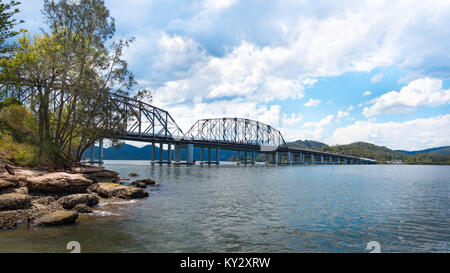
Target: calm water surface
[{"x": 263, "y": 209}]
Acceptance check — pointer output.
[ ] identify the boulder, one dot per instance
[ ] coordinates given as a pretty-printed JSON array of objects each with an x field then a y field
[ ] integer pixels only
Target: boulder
[
  {"x": 139, "y": 184},
  {"x": 8, "y": 181},
  {"x": 59, "y": 182},
  {"x": 23, "y": 174},
  {"x": 147, "y": 181},
  {"x": 109, "y": 190},
  {"x": 133, "y": 174},
  {"x": 97, "y": 174},
  {"x": 14, "y": 201},
  {"x": 71, "y": 201},
  {"x": 82, "y": 208},
  {"x": 60, "y": 217}
]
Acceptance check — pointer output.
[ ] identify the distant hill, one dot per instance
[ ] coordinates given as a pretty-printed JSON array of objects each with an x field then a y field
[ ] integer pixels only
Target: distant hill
[
  {"x": 383, "y": 154},
  {"x": 366, "y": 150},
  {"x": 306, "y": 144},
  {"x": 440, "y": 150}
]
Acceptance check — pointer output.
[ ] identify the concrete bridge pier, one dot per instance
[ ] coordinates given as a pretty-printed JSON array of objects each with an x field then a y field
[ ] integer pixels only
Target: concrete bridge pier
[
  {"x": 289, "y": 158},
  {"x": 322, "y": 161},
  {"x": 302, "y": 159},
  {"x": 209, "y": 155},
  {"x": 253, "y": 157},
  {"x": 312, "y": 159},
  {"x": 201, "y": 154},
  {"x": 100, "y": 151},
  {"x": 217, "y": 155},
  {"x": 190, "y": 154},
  {"x": 338, "y": 161},
  {"x": 153, "y": 151},
  {"x": 245, "y": 157},
  {"x": 169, "y": 153},
  {"x": 177, "y": 154},
  {"x": 161, "y": 147}
]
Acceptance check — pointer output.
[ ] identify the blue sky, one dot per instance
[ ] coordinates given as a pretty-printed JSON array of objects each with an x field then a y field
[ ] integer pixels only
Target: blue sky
[{"x": 334, "y": 71}]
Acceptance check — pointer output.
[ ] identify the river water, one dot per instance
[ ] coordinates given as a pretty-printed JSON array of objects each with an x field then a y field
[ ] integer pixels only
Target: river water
[{"x": 262, "y": 208}]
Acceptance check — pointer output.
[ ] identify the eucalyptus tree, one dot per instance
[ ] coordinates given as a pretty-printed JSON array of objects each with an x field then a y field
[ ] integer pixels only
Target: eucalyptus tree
[{"x": 69, "y": 74}]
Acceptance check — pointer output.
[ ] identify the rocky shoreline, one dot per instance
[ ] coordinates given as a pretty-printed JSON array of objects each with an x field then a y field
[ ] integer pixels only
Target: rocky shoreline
[{"x": 44, "y": 198}]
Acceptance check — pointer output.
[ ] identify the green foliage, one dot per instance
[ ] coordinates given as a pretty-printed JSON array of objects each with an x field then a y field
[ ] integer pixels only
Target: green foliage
[
  {"x": 383, "y": 154},
  {"x": 306, "y": 144},
  {"x": 67, "y": 75},
  {"x": 7, "y": 23}
]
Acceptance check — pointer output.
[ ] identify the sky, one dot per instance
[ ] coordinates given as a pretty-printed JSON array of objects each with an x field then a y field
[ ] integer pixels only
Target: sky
[{"x": 332, "y": 71}]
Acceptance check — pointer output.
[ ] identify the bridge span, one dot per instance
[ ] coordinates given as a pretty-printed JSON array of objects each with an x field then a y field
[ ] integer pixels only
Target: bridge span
[{"x": 247, "y": 137}]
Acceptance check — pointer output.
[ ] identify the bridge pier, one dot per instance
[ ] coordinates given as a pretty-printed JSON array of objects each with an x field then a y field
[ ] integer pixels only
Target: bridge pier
[
  {"x": 245, "y": 157},
  {"x": 169, "y": 153},
  {"x": 217, "y": 155},
  {"x": 201, "y": 154},
  {"x": 161, "y": 147},
  {"x": 177, "y": 154},
  {"x": 338, "y": 161},
  {"x": 312, "y": 159},
  {"x": 190, "y": 154},
  {"x": 209, "y": 155},
  {"x": 253, "y": 157},
  {"x": 277, "y": 158},
  {"x": 322, "y": 161},
  {"x": 289, "y": 158},
  {"x": 100, "y": 151},
  {"x": 153, "y": 151}
]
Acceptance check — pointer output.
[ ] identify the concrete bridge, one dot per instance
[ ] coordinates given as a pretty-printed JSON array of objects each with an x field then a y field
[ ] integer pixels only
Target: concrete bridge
[{"x": 248, "y": 137}]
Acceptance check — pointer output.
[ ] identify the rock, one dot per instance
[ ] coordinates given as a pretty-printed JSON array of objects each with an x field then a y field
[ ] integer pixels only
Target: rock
[
  {"x": 147, "y": 181},
  {"x": 133, "y": 175},
  {"x": 138, "y": 184},
  {"x": 97, "y": 174},
  {"x": 82, "y": 208},
  {"x": 9, "y": 169},
  {"x": 22, "y": 190},
  {"x": 60, "y": 217},
  {"x": 71, "y": 201},
  {"x": 8, "y": 181},
  {"x": 109, "y": 190},
  {"x": 7, "y": 185},
  {"x": 44, "y": 200},
  {"x": 14, "y": 201},
  {"x": 23, "y": 174},
  {"x": 8, "y": 220},
  {"x": 59, "y": 182}
]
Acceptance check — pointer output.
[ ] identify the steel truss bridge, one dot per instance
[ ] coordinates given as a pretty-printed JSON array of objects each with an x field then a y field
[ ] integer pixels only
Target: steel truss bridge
[{"x": 151, "y": 124}]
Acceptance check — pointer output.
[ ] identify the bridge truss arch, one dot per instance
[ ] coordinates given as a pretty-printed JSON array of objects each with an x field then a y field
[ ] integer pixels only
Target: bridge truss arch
[
  {"x": 237, "y": 131},
  {"x": 145, "y": 121}
]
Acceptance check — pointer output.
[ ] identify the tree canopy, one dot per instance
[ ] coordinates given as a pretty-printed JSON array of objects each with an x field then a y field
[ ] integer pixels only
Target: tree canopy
[{"x": 66, "y": 77}]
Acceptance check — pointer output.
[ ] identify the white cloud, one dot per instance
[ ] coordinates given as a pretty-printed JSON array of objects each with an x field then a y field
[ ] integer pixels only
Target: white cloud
[
  {"x": 418, "y": 93},
  {"x": 342, "y": 114},
  {"x": 350, "y": 108},
  {"x": 410, "y": 135},
  {"x": 322, "y": 123},
  {"x": 312, "y": 103},
  {"x": 367, "y": 93},
  {"x": 293, "y": 119},
  {"x": 377, "y": 78}
]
